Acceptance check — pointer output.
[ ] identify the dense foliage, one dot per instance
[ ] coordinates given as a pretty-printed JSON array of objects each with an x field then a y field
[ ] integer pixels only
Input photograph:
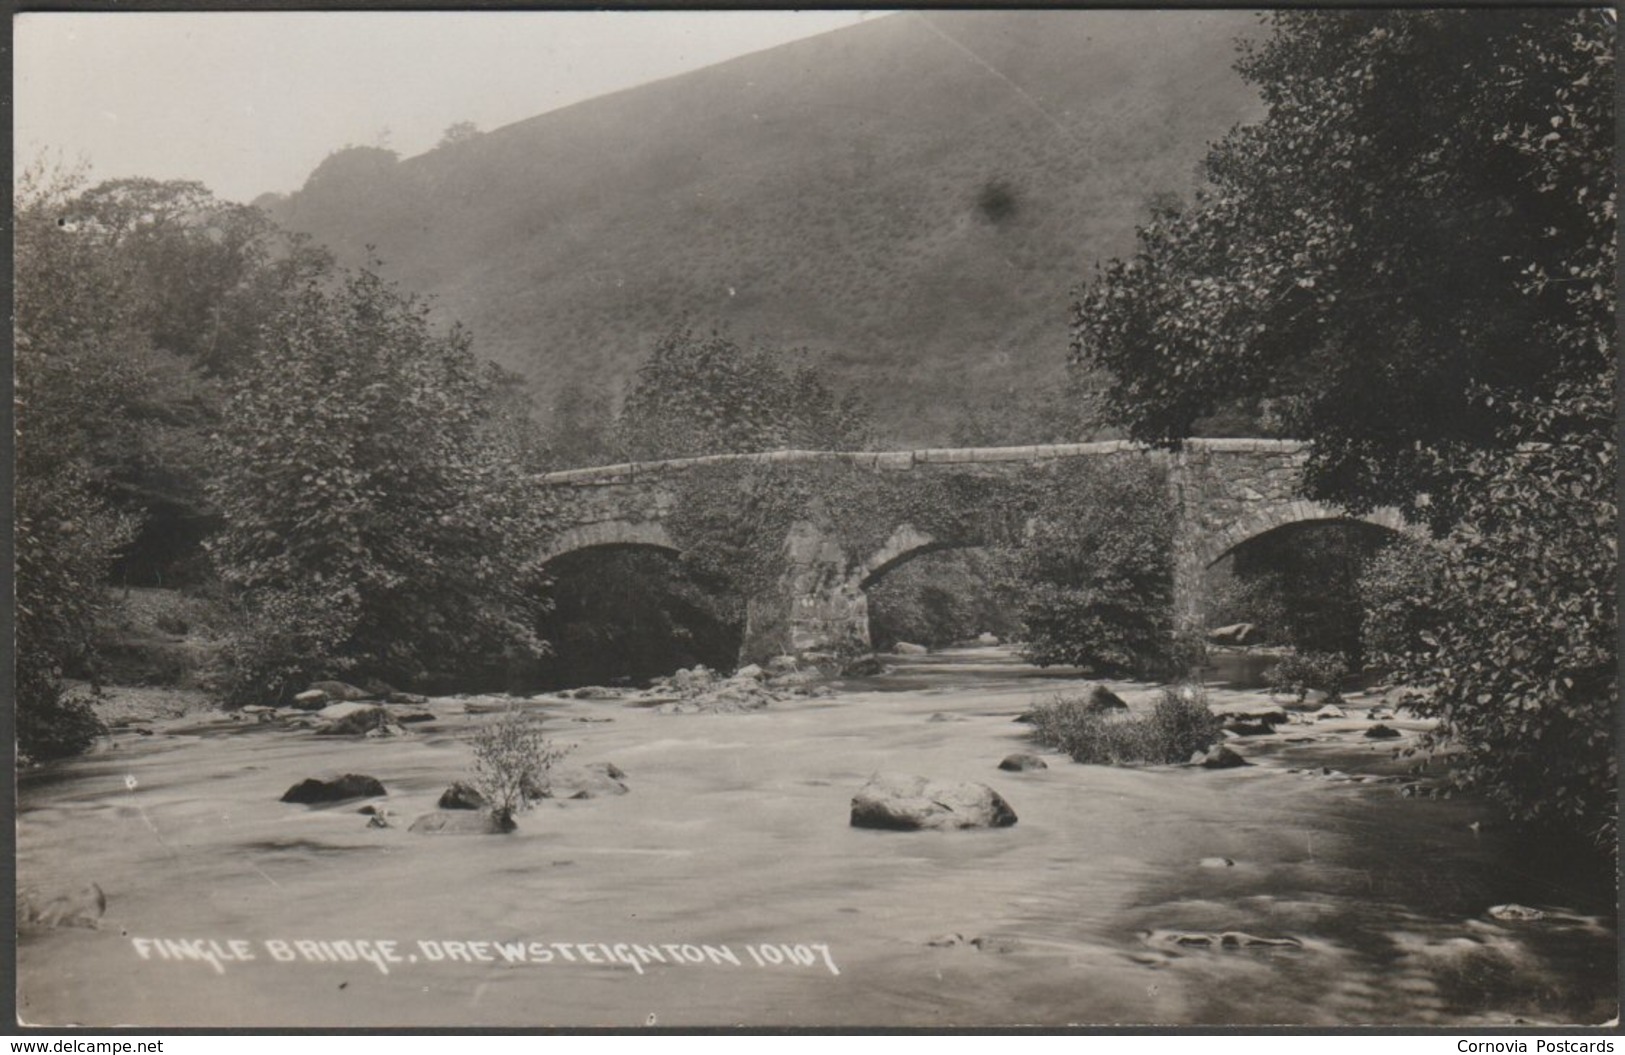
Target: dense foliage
[
  {"x": 1299, "y": 586},
  {"x": 1178, "y": 726},
  {"x": 1297, "y": 673},
  {"x": 374, "y": 523},
  {"x": 175, "y": 286},
  {"x": 1095, "y": 570},
  {"x": 632, "y": 613},
  {"x": 706, "y": 394},
  {"x": 1429, "y": 302},
  {"x": 1399, "y": 589},
  {"x": 943, "y": 598},
  {"x": 1520, "y": 636},
  {"x": 1383, "y": 287},
  {"x": 74, "y": 341}
]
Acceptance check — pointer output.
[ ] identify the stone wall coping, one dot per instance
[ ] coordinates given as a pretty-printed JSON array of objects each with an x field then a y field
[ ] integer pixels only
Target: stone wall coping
[{"x": 627, "y": 472}]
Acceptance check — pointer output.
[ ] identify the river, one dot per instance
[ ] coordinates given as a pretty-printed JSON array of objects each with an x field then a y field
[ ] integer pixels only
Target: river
[{"x": 733, "y": 845}]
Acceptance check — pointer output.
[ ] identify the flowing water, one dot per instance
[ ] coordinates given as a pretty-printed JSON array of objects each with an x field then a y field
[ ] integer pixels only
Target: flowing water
[{"x": 733, "y": 845}]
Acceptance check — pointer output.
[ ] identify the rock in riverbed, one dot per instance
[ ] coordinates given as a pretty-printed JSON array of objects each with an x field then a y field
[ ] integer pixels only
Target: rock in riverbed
[
  {"x": 349, "y": 786},
  {"x": 1230, "y": 939},
  {"x": 81, "y": 908},
  {"x": 338, "y": 690},
  {"x": 1218, "y": 757},
  {"x": 913, "y": 803},
  {"x": 1022, "y": 763},
  {"x": 1250, "y": 728},
  {"x": 461, "y": 796},
  {"x": 462, "y": 822},
  {"x": 592, "y": 781},
  {"x": 351, "y": 719},
  {"x": 1103, "y": 700}
]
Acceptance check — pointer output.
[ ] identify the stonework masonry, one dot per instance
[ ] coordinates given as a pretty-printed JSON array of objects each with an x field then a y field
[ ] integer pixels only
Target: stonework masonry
[{"x": 1225, "y": 491}]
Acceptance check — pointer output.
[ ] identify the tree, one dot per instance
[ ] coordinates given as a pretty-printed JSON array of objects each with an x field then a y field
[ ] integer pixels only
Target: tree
[
  {"x": 1419, "y": 232},
  {"x": 1520, "y": 635},
  {"x": 1095, "y": 572},
  {"x": 579, "y": 428},
  {"x": 162, "y": 290},
  {"x": 1410, "y": 264},
  {"x": 458, "y": 132},
  {"x": 72, "y": 373},
  {"x": 705, "y": 394},
  {"x": 374, "y": 524}
]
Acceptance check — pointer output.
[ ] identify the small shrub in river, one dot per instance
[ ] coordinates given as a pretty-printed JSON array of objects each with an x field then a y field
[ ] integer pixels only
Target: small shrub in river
[
  {"x": 1296, "y": 674},
  {"x": 511, "y": 763},
  {"x": 1178, "y": 726}
]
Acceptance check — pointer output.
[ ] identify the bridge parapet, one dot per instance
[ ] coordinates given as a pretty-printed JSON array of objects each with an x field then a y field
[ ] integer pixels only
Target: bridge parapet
[{"x": 627, "y": 472}]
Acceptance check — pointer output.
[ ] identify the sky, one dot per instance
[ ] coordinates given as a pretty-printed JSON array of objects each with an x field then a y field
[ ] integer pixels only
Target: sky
[{"x": 249, "y": 102}]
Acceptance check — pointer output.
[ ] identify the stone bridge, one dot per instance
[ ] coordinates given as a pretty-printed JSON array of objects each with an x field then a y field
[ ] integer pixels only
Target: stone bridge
[{"x": 1224, "y": 491}]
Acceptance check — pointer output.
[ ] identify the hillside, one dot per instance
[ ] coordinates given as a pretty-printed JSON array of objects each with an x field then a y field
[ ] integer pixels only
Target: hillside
[{"x": 912, "y": 198}]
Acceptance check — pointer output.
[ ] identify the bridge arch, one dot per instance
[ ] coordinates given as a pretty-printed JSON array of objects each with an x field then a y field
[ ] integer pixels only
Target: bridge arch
[
  {"x": 650, "y": 533},
  {"x": 905, "y": 543},
  {"x": 1285, "y": 514}
]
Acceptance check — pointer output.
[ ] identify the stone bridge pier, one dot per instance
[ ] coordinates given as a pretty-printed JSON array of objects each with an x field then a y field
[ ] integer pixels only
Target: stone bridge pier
[{"x": 1223, "y": 493}]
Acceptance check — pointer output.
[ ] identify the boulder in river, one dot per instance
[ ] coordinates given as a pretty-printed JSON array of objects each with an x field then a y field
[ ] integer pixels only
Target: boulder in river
[
  {"x": 1251, "y": 712},
  {"x": 1330, "y": 710},
  {"x": 1218, "y": 757},
  {"x": 595, "y": 780},
  {"x": 350, "y": 786},
  {"x": 1250, "y": 728},
  {"x": 461, "y": 796},
  {"x": 1100, "y": 700},
  {"x": 462, "y": 822},
  {"x": 695, "y": 679},
  {"x": 1021, "y": 763},
  {"x": 1382, "y": 732},
  {"x": 80, "y": 908},
  {"x": 909, "y": 648},
  {"x": 351, "y": 719},
  {"x": 1230, "y": 939},
  {"x": 311, "y": 700},
  {"x": 863, "y": 667},
  {"x": 914, "y": 803},
  {"x": 1514, "y": 913},
  {"x": 339, "y": 690}
]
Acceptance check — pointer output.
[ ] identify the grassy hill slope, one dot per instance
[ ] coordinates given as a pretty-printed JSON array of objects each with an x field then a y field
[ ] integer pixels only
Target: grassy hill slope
[{"x": 912, "y": 198}]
